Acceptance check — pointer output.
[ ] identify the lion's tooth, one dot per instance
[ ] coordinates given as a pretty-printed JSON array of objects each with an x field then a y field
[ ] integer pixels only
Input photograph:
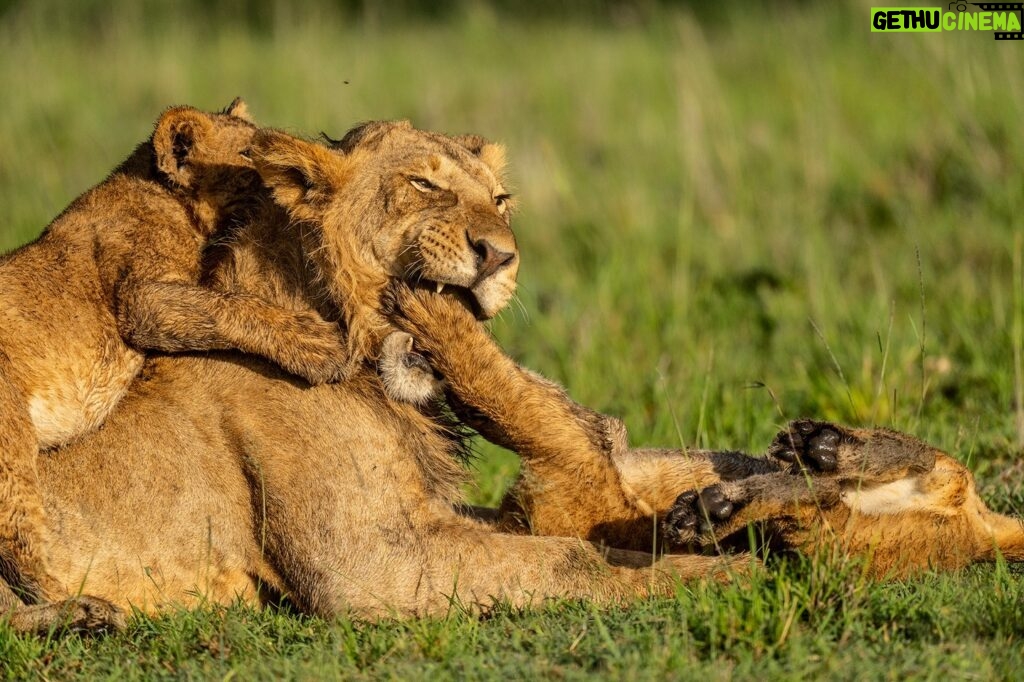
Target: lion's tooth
[{"x": 439, "y": 287}]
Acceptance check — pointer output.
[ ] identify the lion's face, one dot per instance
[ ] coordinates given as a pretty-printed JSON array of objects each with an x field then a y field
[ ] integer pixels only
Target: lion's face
[
  {"x": 403, "y": 203},
  {"x": 446, "y": 217}
]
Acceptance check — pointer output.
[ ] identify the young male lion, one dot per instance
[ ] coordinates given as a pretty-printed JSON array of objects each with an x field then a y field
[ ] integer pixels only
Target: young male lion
[{"x": 116, "y": 274}]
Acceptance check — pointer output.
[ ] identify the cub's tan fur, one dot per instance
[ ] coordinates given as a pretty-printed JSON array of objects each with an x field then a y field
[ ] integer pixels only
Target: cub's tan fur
[
  {"x": 230, "y": 482},
  {"x": 116, "y": 274}
]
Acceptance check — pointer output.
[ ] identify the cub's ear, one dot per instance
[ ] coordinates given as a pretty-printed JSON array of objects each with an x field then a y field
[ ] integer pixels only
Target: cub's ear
[
  {"x": 177, "y": 139},
  {"x": 491, "y": 153},
  {"x": 300, "y": 174},
  {"x": 239, "y": 109}
]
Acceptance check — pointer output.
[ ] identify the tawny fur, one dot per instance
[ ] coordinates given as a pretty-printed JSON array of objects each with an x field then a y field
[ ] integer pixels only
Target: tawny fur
[{"x": 117, "y": 274}]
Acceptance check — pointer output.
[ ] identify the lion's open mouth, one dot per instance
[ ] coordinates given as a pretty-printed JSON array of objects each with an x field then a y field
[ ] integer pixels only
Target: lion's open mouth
[{"x": 465, "y": 295}]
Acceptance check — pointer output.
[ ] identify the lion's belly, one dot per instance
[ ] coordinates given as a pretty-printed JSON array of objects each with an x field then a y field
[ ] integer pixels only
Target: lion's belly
[{"x": 75, "y": 393}]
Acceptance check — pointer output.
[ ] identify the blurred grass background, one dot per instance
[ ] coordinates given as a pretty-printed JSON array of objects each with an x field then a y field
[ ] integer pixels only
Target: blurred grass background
[{"x": 731, "y": 214}]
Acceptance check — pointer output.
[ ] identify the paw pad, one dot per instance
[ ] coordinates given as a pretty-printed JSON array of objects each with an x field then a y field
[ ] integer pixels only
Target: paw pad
[
  {"x": 808, "y": 445},
  {"x": 697, "y": 513}
]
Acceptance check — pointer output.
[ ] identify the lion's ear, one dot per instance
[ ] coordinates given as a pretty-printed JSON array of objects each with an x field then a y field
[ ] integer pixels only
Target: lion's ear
[
  {"x": 239, "y": 109},
  {"x": 177, "y": 139},
  {"x": 491, "y": 153},
  {"x": 367, "y": 135},
  {"x": 300, "y": 174}
]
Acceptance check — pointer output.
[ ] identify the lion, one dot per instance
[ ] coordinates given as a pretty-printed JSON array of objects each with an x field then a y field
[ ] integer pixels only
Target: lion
[
  {"x": 116, "y": 275},
  {"x": 903, "y": 505}
]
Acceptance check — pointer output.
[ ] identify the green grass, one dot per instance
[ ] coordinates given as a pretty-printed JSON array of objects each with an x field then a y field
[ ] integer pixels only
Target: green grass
[{"x": 727, "y": 221}]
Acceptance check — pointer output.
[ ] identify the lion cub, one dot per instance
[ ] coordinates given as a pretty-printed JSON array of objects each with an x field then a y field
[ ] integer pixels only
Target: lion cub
[
  {"x": 886, "y": 496},
  {"x": 116, "y": 274}
]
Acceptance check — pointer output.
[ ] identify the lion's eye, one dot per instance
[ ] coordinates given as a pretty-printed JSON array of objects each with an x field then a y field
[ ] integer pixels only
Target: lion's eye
[
  {"x": 422, "y": 184},
  {"x": 501, "y": 201}
]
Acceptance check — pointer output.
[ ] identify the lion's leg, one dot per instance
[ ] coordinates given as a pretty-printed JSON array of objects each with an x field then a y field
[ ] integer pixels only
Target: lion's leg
[
  {"x": 434, "y": 565},
  {"x": 24, "y": 537},
  {"x": 865, "y": 455},
  {"x": 576, "y": 490},
  {"x": 720, "y": 510},
  {"x": 77, "y": 614}
]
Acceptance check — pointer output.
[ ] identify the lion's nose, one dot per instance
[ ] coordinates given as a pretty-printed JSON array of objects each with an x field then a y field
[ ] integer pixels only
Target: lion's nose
[{"x": 489, "y": 259}]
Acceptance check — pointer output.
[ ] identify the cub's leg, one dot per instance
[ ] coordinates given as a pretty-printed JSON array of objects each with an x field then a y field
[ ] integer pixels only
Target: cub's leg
[
  {"x": 720, "y": 510},
  {"x": 658, "y": 475},
  {"x": 868, "y": 455},
  {"x": 24, "y": 537},
  {"x": 575, "y": 488},
  {"x": 655, "y": 476},
  {"x": 176, "y": 317},
  {"x": 841, "y": 462},
  {"x": 406, "y": 375}
]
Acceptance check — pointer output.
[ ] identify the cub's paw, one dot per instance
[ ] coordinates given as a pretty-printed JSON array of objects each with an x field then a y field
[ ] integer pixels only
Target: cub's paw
[
  {"x": 319, "y": 353},
  {"x": 406, "y": 374},
  {"x": 809, "y": 445},
  {"x": 695, "y": 516},
  {"x": 436, "y": 320}
]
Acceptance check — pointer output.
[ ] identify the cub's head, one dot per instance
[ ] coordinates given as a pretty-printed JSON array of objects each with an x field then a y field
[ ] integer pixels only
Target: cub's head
[
  {"x": 204, "y": 158},
  {"x": 389, "y": 201}
]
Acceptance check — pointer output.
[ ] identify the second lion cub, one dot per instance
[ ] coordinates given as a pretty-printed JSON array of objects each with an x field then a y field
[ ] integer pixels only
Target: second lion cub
[{"x": 115, "y": 274}]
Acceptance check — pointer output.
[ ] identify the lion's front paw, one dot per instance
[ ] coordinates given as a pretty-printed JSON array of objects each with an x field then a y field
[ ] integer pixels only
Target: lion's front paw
[
  {"x": 695, "y": 516},
  {"x": 406, "y": 374},
  {"x": 809, "y": 445},
  {"x": 93, "y": 615}
]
